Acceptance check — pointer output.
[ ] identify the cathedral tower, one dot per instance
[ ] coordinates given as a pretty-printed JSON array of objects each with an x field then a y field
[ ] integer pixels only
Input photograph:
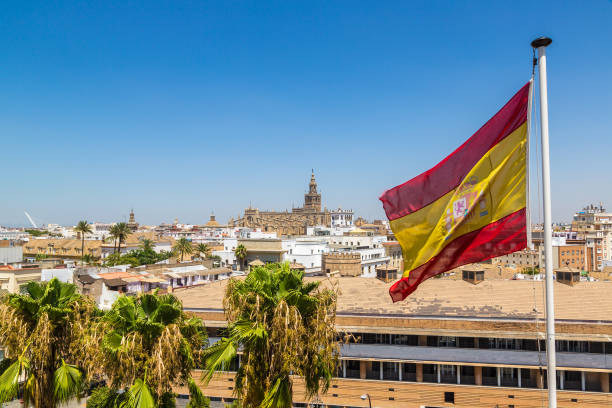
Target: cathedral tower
[
  {"x": 312, "y": 200},
  {"x": 132, "y": 224}
]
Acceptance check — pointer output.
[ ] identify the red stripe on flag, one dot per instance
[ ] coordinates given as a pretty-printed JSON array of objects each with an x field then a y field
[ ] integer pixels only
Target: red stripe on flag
[
  {"x": 502, "y": 237},
  {"x": 448, "y": 174}
]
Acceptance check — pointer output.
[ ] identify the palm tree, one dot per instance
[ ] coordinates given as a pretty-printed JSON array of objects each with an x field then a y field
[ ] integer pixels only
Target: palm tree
[
  {"x": 83, "y": 228},
  {"x": 146, "y": 245},
  {"x": 241, "y": 254},
  {"x": 122, "y": 231},
  {"x": 149, "y": 346},
  {"x": 88, "y": 259},
  {"x": 113, "y": 232},
  {"x": 203, "y": 249},
  {"x": 44, "y": 331},
  {"x": 284, "y": 327},
  {"x": 183, "y": 246}
]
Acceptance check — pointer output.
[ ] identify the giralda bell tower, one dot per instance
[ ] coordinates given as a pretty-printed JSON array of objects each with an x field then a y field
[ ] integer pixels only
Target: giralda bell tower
[{"x": 312, "y": 200}]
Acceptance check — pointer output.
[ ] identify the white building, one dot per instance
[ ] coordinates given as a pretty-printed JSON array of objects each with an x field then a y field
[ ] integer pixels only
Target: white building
[
  {"x": 13, "y": 234},
  {"x": 107, "y": 297},
  {"x": 321, "y": 230},
  {"x": 65, "y": 275},
  {"x": 306, "y": 251},
  {"x": 227, "y": 254},
  {"x": 341, "y": 218},
  {"x": 370, "y": 248},
  {"x": 11, "y": 254}
]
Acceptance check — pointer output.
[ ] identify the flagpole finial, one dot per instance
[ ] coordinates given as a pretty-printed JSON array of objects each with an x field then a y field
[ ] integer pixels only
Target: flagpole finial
[{"x": 541, "y": 42}]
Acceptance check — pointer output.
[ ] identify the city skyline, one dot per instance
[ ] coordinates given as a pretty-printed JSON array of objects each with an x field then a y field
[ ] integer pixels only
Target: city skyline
[{"x": 181, "y": 111}]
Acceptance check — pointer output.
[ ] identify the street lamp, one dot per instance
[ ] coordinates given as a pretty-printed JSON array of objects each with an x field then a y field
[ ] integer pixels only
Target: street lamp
[{"x": 364, "y": 396}]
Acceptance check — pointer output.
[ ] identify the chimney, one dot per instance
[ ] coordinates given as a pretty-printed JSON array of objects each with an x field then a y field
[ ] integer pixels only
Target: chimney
[{"x": 473, "y": 274}]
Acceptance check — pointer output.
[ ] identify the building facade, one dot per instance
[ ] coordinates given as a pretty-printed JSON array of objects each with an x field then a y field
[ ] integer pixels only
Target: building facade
[
  {"x": 482, "y": 347},
  {"x": 306, "y": 251},
  {"x": 341, "y": 263},
  {"x": 295, "y": 222},
  {"x": 526, "y": 258},
  {"x": 594, "y": 225}
]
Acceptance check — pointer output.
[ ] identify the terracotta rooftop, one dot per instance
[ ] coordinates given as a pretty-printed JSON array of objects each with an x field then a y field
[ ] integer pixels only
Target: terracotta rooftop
[{"x": 587, "y": 301}]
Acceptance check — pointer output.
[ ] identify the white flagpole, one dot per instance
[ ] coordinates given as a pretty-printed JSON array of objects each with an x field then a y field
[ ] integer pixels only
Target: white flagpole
[
  {"x": 527, "y": 175},
  {"x": 540, "y": 44}
]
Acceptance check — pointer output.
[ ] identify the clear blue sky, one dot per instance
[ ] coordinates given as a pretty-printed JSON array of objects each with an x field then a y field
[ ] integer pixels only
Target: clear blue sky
[{"x": 181, "y": 108}]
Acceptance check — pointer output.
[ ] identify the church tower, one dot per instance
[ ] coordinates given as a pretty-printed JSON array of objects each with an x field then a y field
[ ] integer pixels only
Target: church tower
[
  {"x": 132, "y": 224},
  {"x": 312, "y": 200}
]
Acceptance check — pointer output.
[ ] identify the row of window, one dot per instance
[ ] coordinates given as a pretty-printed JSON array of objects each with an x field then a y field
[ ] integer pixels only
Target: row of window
[
  {"x": 466, "y": 375},
  {"x": 453, "y": 374},
  {"x": 570, "y": 346},
  {"x": 574, "y": 252}
]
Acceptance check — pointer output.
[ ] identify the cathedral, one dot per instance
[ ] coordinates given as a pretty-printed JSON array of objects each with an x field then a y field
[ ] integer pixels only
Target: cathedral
[{"x": 289, "y": 223}]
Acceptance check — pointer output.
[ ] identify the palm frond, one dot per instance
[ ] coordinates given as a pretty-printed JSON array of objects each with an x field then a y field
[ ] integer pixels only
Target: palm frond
[
  {"x": 35, "y": 289},
  {"x": 279, "y": 395},
  {"x": 196, "y": 397},
  {"x": 112, "y": 341},
  {"x": 67, "y": 382},
  {"x": 218, "y": 356},
  {"x": 104, "y": 397},
  {"x": 139, "y": 396},
  {"x": 149, "y": 303},
  {"x": 245, "y": 331},
  {"x": 9, "y": 380}
]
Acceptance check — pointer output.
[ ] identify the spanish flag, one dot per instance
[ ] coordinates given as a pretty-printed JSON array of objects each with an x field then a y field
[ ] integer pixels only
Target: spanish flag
[{"x": 470, "y": 207}]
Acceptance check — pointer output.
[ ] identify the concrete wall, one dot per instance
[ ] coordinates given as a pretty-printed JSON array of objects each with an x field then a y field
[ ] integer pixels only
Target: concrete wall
[{"x": 11, "y": 254}]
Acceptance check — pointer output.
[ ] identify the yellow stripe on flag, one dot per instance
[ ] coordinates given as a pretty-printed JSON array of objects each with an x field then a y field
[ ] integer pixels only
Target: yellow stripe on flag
[{"x": 493, "y": 189}]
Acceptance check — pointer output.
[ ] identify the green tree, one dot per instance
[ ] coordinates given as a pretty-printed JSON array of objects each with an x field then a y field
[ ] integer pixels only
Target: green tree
[
  {"x": 284, "y": 326},
  {"x": 147, "y": 244},
  {"x": 89, "y": 259},
  {"x": 113, "y": 232},
  {"x": 122, "y": 231},
  {"x": 203, "y": 249},
  {"x": 40, "y": 257},
  {"x": 83, "y": 228},
  {"x": 149, "y": 346},
  {"x": 531, "y": 270},
  {"x": 44, "y": 331},
  {"x": 241, "y": 254},
  {"x": 183, "y": 246},
  {"x": 36, "y": 233}
]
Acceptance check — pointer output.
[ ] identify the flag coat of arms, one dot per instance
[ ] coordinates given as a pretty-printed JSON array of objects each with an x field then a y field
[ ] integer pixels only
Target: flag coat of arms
[{"x": 470, "y": 207}]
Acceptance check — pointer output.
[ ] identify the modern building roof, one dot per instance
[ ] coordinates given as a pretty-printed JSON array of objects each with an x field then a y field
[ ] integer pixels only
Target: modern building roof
[{"x": 505, "y": 299}]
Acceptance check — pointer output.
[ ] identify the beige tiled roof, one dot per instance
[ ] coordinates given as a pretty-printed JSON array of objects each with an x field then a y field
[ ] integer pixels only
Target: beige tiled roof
[{"x": 439, "y": 297}]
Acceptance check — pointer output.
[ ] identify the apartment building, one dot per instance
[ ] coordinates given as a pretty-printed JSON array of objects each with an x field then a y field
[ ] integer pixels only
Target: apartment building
[
  {"x": 594, "y": 225},
  {"x": 453, "y": 344},
  {"x": 526, "y": 258}
]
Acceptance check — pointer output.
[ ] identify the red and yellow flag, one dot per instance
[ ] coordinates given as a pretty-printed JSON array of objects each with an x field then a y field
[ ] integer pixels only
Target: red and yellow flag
[{"x": 470, "y": 207}]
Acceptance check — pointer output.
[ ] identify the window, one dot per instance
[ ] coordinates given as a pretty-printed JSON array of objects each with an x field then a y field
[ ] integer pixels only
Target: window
[
  {"x": 449, "y": 397},
  {"x": 447, "y": 341}
]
